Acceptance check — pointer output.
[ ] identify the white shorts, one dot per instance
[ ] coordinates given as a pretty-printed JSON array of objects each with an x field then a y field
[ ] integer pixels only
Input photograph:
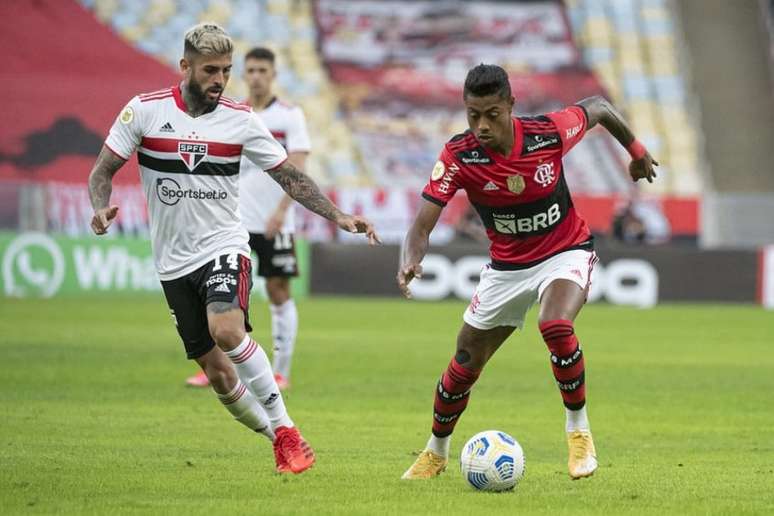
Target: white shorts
[{"x": 503, "y": 298}]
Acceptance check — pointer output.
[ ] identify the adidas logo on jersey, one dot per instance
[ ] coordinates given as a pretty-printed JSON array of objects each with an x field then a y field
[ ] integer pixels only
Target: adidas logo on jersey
[
  {"x": 223, "y": 287},
  {"x": 167, "y": 128},
  {"x": 490, "y": 186}
]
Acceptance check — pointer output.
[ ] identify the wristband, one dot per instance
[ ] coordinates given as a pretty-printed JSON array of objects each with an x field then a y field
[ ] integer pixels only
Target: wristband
[{"x": 636, "y": 149}]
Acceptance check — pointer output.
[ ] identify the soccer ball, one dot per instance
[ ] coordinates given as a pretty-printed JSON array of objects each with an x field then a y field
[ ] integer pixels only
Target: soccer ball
[{"x": 492, "y": 461}]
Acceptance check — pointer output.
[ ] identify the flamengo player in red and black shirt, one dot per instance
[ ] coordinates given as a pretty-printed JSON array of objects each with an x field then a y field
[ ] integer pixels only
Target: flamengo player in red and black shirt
[{"x": 541, "y": 249}]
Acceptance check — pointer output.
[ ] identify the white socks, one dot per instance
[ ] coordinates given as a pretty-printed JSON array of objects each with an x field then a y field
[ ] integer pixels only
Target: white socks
[
  {"x": 439, "y": 445},
  {"x": 253, "y": 368},
  {"x": 284, "y": 328},
  {"x": 577, "y": 420},
  {"x": 245, "y": 409}
]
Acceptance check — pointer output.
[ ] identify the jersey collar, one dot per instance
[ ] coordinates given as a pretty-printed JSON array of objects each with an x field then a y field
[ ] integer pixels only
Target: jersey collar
[
  {"x": 177, "y": 94},
  {"x": 518, "y": 136}
]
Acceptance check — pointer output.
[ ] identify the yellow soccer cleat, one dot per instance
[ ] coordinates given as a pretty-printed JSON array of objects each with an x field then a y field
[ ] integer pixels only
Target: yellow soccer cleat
[
  {"x": 583, "y": 456},
  {"x": 427, "y": 465}
]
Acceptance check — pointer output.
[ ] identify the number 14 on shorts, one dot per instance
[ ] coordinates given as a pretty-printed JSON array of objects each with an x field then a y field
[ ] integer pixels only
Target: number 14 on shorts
[{"x": 231, "y": 260}]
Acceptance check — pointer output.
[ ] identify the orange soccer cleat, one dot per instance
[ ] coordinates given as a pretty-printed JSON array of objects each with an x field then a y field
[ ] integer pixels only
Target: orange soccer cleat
[
  {"x": 198, "y": 380},
  {"x": 291, "y": 451},
  {"x": 282, "y": 381}
]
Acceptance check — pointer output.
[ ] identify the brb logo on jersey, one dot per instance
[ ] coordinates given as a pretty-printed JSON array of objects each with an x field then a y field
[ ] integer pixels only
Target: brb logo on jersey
[
  {"x": 191, "y": 153},
  {"x": 544, "y": 174}
]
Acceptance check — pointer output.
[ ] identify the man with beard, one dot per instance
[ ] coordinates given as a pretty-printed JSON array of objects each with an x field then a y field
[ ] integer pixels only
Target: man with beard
[
  {"x": 268, "y": 213},
  {"x": 189, "y": 142}
]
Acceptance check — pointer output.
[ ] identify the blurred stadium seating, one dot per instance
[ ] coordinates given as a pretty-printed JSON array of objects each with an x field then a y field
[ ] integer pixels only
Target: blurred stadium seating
[
  {"x": 629, "y": 45},
  {"x": 380, "y": 83},
  {"x": 156, "y": 27},
  {"x": 633, "y": 47}
]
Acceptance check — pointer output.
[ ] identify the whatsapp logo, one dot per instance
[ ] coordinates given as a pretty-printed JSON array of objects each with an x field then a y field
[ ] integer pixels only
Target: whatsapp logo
[{"x": 33, "y": 265}]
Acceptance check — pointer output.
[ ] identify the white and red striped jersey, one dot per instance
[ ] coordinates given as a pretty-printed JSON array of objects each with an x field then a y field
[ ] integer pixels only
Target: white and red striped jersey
[
  {"x": 190, "y": 170},
  {"x": 260, "y": 194}
]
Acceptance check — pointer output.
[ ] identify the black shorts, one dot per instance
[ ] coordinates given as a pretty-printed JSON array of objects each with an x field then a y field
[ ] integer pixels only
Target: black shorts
[
  {"x": 226, "y": 279},
  {"x": 276, "y": 257}
]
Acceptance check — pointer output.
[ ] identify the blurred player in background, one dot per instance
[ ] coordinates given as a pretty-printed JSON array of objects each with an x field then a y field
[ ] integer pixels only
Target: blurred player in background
[
  {"x": 189, "y": 142},
  {"x": 541, "y": 250},
  {"x": 267, "y": 211}
]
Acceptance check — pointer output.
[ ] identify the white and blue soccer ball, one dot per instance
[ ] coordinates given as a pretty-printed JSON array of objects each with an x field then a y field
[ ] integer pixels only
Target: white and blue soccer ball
[{"x": 492, "y": 461}]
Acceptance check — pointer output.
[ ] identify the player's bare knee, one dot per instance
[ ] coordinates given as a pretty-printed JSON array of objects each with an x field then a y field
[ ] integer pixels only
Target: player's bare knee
[
  {"x": 278, "y": 290},
  {"x": 223, "y": 379},
  {"x": 227, "y": 336}
]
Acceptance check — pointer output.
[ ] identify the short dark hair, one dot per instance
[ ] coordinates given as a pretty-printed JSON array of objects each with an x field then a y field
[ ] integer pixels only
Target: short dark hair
[
  {"x": 486, "y": 79},
  {"x": 260, "y": 53}
]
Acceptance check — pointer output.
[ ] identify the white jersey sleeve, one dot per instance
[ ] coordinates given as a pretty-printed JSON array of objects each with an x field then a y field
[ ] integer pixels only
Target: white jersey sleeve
[
  {"x": 127, "y": 130},
  {"x": 297, "y": 135},
  {"x": 260, "y": 147}
]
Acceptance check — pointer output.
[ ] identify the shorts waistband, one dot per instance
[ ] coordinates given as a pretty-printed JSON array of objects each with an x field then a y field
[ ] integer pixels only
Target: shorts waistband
[{"x": 497, "y": 265}]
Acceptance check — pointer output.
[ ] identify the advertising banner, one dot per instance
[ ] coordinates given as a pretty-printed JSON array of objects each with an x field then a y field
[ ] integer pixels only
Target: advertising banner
[
  {"x": 639, "y": 276},
  {"x": 45, "y": 265}
]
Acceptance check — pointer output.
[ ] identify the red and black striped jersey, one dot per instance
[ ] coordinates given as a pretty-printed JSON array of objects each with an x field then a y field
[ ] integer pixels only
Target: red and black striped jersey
[{"x": 522, "y": 199}]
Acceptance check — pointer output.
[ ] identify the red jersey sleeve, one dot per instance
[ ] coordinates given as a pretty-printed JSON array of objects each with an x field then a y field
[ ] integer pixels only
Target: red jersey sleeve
[
  {"x": 442, "y": 185},
  {"x": 571, "y": 123}
]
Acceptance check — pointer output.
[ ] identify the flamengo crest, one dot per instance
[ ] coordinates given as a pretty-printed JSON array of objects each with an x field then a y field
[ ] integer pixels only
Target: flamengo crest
[
  {"x": 191, "y": 153},
  {"x": 544, "y": 174}
]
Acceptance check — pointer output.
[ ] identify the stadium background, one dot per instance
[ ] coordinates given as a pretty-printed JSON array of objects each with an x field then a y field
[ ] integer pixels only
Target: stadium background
[{"x": 380, "y": 84}]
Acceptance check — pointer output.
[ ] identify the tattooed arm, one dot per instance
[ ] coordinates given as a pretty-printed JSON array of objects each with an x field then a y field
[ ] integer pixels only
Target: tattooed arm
[
  {"x": 600, "y": 111},
  {"x": 300, "y": 187},
  {"x": 100, "y": 188}
]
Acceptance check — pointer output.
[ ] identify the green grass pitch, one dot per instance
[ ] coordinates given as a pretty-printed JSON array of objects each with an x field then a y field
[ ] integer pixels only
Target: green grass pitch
[{"x": 96, "y": 419}]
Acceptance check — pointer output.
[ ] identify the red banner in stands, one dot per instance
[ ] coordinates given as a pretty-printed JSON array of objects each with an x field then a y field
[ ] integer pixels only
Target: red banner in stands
[{"x": 68, "y": 76}]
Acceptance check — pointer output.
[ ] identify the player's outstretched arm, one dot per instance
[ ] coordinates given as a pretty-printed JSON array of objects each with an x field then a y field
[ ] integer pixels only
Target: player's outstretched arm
[
  {"x": 301, "y": 188},
  {"x": 416, "y": 244},
  {"x": 600, "y": 111},
  {"x": 100, "y": 188}
]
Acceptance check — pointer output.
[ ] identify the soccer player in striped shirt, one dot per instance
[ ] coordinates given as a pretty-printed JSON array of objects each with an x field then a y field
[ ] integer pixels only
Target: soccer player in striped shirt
[
  {"x": 268, "y": 213},
  {"x": 189, "y": 141},
  {"x": 541, "y": 249}
]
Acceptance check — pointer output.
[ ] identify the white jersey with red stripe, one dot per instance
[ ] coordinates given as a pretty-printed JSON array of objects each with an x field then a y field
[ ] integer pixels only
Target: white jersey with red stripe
[
  {"x": 260, "y": 193},
  {"x": 190, "y": 170}
]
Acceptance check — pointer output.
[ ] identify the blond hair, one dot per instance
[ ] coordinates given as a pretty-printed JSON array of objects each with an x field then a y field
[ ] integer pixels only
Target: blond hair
[{"x": 207, "y": 39}]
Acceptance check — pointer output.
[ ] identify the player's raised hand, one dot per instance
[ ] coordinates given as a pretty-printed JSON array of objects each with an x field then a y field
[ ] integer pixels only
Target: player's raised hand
[
  {"x": 103, "y": 218},
  {"x": 643, "y": 168},
  {"x": 407, "y": 273},
  {"x": 358, "y": 224}
]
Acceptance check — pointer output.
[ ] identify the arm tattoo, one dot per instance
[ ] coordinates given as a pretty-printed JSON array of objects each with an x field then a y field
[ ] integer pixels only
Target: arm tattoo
[
  {"x": 301, "y": 188},
  {"x": 101, "y": 177},
  {"x": 601, "y": 111}
]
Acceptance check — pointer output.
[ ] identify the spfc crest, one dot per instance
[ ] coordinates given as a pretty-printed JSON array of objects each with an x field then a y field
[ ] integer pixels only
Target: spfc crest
[
  {"x": 516, "y": 184},
  {"x": 191, "y": 153}
]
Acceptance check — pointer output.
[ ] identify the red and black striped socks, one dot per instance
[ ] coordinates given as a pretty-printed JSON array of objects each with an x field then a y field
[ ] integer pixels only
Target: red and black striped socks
[
  {"x": 566, "y": 361},
  {"x": 451, "y": 397}
]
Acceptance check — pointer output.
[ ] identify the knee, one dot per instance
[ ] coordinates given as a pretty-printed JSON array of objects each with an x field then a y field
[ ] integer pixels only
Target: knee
[
  {"x": 550, "y": 316},
  {"x": 227, "y": 336},
  {"x": 221, "y": 375},
  {"x": 278, "y": 291},
  {"x": 222, "y": 379}
]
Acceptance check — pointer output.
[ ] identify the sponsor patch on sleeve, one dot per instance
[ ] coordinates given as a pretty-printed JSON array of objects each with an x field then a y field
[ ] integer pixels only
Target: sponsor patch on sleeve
[
  {"x": 127, "y": 115},
  {"x": 438, "y": 171}
]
